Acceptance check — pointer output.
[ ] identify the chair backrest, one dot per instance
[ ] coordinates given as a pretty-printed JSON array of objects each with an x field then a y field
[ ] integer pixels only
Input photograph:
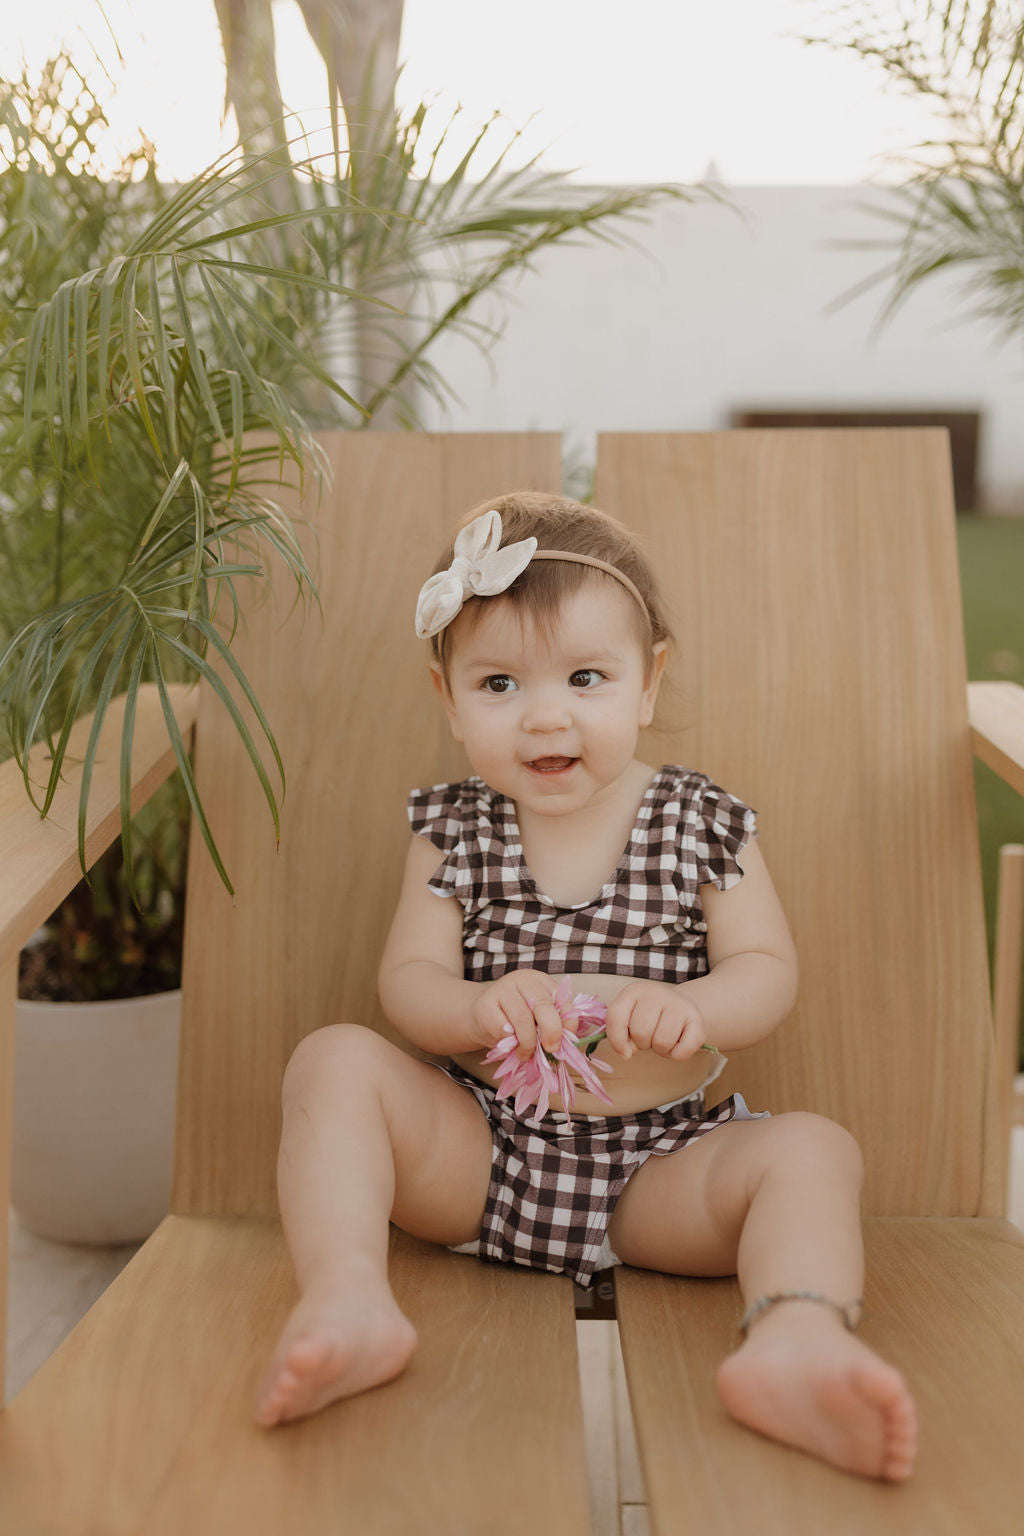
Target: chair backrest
[
  {"x": 358, "y": 724},
  {"x": 813, "y": 582},
  {"x": 819, "y": 674}
]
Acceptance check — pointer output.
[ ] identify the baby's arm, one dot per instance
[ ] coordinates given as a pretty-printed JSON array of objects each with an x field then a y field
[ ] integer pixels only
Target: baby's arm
[
  {"x": 750, "y": 986},
  {"x": 421, "y": 984}
]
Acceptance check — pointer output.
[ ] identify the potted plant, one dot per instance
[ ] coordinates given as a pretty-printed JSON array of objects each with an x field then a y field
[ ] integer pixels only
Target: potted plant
[{"x": 146, "y": 332}]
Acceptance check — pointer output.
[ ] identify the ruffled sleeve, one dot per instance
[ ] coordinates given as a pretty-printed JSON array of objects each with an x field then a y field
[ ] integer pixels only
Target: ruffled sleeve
[
  {"x": 440, "y": 814},
  {"x": 724, "y": 826}
]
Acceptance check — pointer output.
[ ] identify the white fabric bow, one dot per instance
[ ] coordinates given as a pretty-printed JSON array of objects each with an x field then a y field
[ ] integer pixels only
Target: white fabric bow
[{"x": 479, "y": 569}]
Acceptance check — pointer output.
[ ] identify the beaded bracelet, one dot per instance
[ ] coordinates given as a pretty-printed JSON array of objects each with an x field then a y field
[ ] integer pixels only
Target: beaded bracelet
[{"x": 850, "y": 1311}]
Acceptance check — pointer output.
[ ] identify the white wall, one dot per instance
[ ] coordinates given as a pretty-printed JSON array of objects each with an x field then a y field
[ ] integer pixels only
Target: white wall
[{"x": 723, "y": 311}]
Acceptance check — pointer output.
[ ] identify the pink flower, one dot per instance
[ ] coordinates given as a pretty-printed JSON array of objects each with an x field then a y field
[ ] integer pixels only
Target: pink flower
[{"x": 535, "y": 1079}]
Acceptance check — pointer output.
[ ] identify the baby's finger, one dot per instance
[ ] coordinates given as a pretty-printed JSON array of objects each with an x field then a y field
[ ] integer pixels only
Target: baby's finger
[
  {"x": 690, "y": 1040},
  {"x": 617, "y": 1025},
  {"x": 549, "y": 1024},
  {"x": 667, "y": 1037},
  {"x": 520, "y": 1016},
  {"x": 642, "y": 1023}
]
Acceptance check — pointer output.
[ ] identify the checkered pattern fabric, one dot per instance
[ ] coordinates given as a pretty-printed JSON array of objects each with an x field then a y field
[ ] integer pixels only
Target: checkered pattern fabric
[
  {"x": 646, "y": 921},
  {"x": 553, "y": 1187}
]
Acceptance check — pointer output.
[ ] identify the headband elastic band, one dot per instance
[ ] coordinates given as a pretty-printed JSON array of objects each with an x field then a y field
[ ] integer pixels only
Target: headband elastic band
[{"x": 600, "y": 565}]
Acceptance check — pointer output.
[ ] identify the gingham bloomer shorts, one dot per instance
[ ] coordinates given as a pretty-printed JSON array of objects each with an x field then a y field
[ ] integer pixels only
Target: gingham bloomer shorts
[{"x": 553, "y": 1187}]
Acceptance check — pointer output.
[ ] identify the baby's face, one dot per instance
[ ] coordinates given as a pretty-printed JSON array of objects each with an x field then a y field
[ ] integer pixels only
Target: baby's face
[{"x": 552, "y": 723}]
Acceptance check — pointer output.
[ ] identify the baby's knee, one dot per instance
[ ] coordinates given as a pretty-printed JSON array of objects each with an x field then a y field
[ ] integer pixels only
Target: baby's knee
[
  {"x": 347, "y": 1047},
  {"x": 811, "y": 1140}
]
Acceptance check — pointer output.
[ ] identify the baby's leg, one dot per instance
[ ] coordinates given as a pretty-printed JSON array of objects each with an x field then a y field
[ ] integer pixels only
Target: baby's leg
[
  {"x": 777, "y": 1202},
  {"x": 369, "y": 1133}
]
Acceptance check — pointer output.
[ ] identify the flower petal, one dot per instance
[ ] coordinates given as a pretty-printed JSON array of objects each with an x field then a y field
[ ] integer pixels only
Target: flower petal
[
  {"x": 503, "y": 1048},
  {"x": 575, "y": 1059}
]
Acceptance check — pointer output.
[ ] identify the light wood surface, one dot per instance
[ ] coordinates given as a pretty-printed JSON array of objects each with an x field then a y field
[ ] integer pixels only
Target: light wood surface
[
  {"x": 819, "y": 674},
  {"x": 8, "y": 1000},
  {"x": 350, "y": 699},
  {"x": 944, "y": 1301},
  {"x": 997, "y": 729},
  {"x": 141, "y": 1422},
  {"x": 1006, "y": 983},
  {"x": 817, "y": 610},
  {"x": 54, "y": 1284}
]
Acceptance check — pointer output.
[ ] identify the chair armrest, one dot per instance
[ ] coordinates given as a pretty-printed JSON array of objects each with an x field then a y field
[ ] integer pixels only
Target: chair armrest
[
  {"x": 39, "y": 859},
  {"x": 996, "y": 712}
]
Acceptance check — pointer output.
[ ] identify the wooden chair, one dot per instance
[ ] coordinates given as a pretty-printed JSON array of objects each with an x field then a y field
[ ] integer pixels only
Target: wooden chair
[{"x": 820, "y": 676}]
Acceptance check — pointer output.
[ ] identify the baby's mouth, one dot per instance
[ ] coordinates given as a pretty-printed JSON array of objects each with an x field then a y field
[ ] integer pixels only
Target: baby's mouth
[{"x": 551, "y": 764}]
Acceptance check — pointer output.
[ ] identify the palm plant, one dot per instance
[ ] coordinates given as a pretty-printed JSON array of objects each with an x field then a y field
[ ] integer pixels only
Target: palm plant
[
  {"x": 960, "y": 208},
  {"x": 146, "y": 333}
]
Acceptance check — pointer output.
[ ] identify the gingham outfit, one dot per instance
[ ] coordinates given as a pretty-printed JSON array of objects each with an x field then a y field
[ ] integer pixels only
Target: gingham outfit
[{"x": 553, "y": 1187}]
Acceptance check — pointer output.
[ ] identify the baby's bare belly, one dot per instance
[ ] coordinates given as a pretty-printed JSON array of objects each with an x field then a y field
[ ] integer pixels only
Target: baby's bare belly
[{"x": 642, "y": 1082}]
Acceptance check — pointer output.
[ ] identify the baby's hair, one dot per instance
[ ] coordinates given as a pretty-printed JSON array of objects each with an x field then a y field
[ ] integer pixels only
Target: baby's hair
[{"x": 539, "y": 591}]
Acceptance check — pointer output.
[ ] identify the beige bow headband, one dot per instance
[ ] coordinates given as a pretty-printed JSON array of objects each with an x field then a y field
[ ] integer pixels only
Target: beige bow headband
[{"x": 481, "y": 568}]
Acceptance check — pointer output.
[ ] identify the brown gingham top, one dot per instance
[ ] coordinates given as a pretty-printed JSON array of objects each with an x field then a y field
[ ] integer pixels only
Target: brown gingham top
[{"x": 646, "y": 921}]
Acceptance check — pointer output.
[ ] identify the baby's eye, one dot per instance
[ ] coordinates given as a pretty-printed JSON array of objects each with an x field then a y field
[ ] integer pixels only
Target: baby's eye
[
  {"x": 498, "y": 682},
  {"x": 586, "y": 677}
]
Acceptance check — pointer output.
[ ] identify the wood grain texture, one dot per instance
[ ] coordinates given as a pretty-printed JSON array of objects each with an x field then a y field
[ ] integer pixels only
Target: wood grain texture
[
  {"x": 349, "y": 698},
  {"x": 944, "y": 1302},
  {"x": 8, "y": 1001},
  {"x": 39, "y": 859},
  {"x": 596, "y": 1342},
  {"x": 140, "y": 1423},
  {"x": 1006, "y": 989},
  {"x": 819, "y": 674},
  {"x": 997, "y": 729}
]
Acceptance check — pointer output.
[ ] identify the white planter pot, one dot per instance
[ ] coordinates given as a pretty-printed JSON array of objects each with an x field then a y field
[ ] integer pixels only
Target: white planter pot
[{"x": 94, "y": 1091}]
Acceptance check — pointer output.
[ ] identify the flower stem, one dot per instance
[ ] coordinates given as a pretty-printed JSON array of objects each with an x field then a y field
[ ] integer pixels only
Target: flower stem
[{"x": 589, "y": 1043}]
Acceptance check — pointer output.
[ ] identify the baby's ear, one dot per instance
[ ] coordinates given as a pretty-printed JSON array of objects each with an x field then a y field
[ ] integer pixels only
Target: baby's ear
[
  {"x": 446, "y": 698},
  {"x": 659, "y": 656},
  {"x": 439, "y": 683}
]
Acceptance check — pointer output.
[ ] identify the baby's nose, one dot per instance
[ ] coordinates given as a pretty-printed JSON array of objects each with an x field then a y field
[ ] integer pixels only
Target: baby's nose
[{"x": 547, "y": 710}]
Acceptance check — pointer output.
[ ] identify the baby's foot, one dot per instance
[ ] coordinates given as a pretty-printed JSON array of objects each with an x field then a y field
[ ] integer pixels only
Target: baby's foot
[
  {"x": 801, "y": 1377},
  {"x": 333, "y": 1345}
]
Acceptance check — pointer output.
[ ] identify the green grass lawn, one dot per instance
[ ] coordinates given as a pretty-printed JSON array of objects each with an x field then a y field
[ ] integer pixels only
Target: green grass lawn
[{"x": 992, "y": 580}]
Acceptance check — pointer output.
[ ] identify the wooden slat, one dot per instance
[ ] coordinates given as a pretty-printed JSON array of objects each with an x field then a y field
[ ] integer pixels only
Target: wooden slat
[
  {"x": 596, "y": 1343},
  {"x": 8, "y": 1000},
  {"x": 1006, "y": 989},
  {"x": 140, "y": 1424},
  {"x": 40, "y": 858},
  {"x": 819, "y": 674},
  {"x": 350, "y": 700},
  {"x": 997, "y": 729},
  {"x": 944, "y": 1303}
]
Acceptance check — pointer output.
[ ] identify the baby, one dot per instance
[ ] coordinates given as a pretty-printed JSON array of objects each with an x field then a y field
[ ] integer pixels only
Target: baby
[{"x": 564, "y": 856}]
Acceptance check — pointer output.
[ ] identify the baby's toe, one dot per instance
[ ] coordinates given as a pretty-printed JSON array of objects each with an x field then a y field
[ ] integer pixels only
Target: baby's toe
[{"x": 883, "y": 1386}]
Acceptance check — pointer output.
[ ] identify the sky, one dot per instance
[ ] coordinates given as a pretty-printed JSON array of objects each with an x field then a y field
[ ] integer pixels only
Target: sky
[{"x": 650, "y": 90}]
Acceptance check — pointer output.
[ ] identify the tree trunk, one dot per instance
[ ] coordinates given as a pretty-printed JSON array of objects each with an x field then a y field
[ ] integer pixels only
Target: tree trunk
[
  {"x": 251, "y": 85},
  {"x": 359, "y": 41}
]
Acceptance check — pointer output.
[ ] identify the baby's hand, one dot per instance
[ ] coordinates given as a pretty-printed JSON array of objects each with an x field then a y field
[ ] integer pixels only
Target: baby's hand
[
  {"x": 524, "y": 1000},
  {"x": 655, "y": 1016}
]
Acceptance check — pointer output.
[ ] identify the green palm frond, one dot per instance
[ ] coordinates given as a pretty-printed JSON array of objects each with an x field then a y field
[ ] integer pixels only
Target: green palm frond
[
  {"x": 960, "y": 208},
  {"x": 165, "y": 353}
]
